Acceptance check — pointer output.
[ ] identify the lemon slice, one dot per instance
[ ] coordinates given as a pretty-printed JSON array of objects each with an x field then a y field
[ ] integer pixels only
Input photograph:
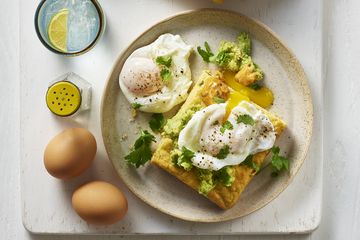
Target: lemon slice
[{"x": 57, "y": 30}]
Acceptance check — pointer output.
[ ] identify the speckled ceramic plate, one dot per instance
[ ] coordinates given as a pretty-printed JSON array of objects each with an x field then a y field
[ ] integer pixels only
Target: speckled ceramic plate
[{"x": 284, "y": 75}]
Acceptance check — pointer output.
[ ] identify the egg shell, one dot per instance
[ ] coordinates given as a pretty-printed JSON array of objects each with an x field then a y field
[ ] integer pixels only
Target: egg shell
[
  {"x": 99, "y": 203},
  {"x": 70, "y": 153}
]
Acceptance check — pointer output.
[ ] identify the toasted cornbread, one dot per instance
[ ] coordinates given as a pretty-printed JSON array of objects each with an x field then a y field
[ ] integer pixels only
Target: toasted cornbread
[{"x": 224, "y": 197}]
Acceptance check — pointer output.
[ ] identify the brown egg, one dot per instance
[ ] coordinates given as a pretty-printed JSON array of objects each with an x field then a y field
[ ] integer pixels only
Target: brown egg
[
  {"x": 70, "y": 153},
  {"x": 99, "y": 203}
]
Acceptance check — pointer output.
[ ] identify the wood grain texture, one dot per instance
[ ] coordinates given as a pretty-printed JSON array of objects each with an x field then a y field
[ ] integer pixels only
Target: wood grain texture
[{"x": 341, "y": 194}]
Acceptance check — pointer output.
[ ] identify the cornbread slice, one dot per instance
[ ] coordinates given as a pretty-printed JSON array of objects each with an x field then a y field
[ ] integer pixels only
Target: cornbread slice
[{"x": 224, "y": 197}]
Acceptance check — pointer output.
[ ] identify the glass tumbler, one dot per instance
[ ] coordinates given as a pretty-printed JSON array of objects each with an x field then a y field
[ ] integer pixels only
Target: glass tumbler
[{"x": 69, "y": 27}]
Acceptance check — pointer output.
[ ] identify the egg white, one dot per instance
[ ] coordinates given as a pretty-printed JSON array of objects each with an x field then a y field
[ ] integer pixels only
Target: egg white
[
  {"x": 202, "y": 135},
  {"x": 175, "y": 91}
]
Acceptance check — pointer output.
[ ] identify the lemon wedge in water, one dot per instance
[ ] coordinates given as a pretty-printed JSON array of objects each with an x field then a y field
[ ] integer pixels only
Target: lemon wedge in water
[{"x": 57, "y": 30}]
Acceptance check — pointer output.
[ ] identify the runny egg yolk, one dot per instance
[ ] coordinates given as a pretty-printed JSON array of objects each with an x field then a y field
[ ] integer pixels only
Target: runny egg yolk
[
  {"x": 262, "y": 97},
  {"x": 234, "y": 99}
]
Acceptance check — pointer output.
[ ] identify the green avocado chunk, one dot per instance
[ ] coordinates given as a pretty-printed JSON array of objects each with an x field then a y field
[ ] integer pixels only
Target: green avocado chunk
[{"x": 174, "y": 125}]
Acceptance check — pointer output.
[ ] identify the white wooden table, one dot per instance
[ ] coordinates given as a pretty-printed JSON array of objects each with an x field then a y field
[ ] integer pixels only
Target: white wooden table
[{"x": 341, "y": 212}]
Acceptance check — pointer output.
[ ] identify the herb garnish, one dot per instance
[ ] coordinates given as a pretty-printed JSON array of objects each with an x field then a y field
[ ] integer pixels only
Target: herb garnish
[
  {"x": 256, "y": 86},
  {"x": 225, "y": 175},
  {"x": 223, "y": 152},
  {"x": 218, "y": 100},
  {"x": 221, "y": 58},
  {"x": 278, "y": 162},
  {"x": 157, "y": 122},
  {"x": 136, "y": 105},
  {"x": 165, "y": 63},
  {"x": 226, "y": 126},
  {"x": 184, "y": 159},
  {"x": 163, "y": 60},
  {"x": 165, "y": 74},
  {"x": 141, "y": 152},
  {"x": 205, "y": 54},
  {"x": 250, "y": 163},
  {"x": 246, "y": 119}
]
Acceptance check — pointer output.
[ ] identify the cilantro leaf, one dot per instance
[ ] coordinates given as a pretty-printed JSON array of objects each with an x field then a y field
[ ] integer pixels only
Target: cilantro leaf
[
  {"x": 157, "y": 122},
  {"x": 278, "y": 162},
  {"x": 226, "y": 126},
  {"x": 136, "y": 105},
  {"x": 218, "y": 100},
  {"x": 246, "y": 119},
  {"x": 207, "y": 47},
  {"x": 141, "y": 152},
  {"x": 165, "y": 74},
  {"x": 223, "y": 152},
  {"x": 275, "y": 150},
  {"x": 250, "y": 163},
  {"x": 184, "y": 159},
  {"x": 256, "y": 86},
  {"x": 205, "y": 54},
  {"x": 163, "y": 60}
]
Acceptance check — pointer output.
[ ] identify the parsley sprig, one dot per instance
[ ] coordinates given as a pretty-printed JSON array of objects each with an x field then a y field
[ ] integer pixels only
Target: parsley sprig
[
  {"x": 256, "y": 86},
  {"x": 206, "y": 53},
  {"x": 223, "y": 152},
  {"x": 157, "y": 122},
  {"x": 165, "y": 62},
  {"x": 225, "y": 175},
  {"x": 246, "y": 119},
  {"x": 141, "y": 152},
  {"x": 279, "y": 163},
  {"x": 221, "y": 58},
  {"x": 226, "y": 126},
  {"x": 136, "y": 105},
  {"x": 165, "y": 74},
  {"x": 184, "y": 159},
  {"x": 251, "y": 164}
]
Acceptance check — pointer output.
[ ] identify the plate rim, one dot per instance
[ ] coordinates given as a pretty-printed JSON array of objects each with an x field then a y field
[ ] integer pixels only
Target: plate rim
[{"x": 309, "y": 104}]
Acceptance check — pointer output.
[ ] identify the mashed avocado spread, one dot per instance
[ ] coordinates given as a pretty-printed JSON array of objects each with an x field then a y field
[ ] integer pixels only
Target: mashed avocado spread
[
  {"x": 233, "y": 56},
  {"x": 209, "y": 179},
  {"x": 174, "y": 125},
  {"x": 182, "y": 158}
]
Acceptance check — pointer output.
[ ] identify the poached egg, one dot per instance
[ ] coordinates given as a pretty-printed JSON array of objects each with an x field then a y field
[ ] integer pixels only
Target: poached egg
[
  {"x": 207, "y": 135},
  {"x": 141, "y": 79}
]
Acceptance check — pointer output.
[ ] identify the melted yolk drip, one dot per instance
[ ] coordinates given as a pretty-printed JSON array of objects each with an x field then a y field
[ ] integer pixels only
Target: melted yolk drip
[
  {"x": 262, "y": 97},
  {"x": 234, "y": 99}
]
